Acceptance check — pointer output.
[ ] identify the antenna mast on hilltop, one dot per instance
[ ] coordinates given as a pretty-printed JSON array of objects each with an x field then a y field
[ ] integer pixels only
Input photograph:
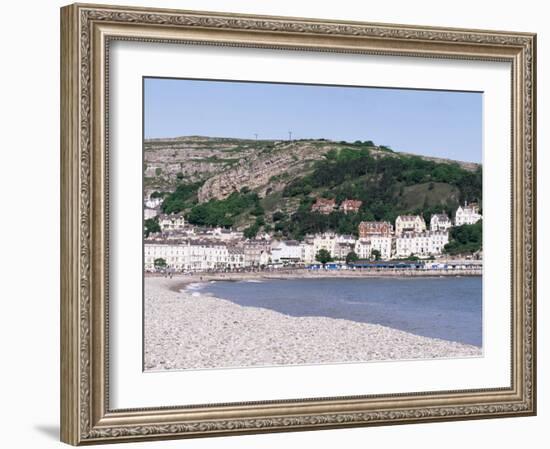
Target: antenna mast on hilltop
[
  {"x": 290, "y": 135},
  {"x": 256, "y": 136}
]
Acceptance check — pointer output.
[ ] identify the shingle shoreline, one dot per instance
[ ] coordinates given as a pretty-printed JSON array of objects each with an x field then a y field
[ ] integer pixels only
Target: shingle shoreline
[{"x": 192, "y": 330}]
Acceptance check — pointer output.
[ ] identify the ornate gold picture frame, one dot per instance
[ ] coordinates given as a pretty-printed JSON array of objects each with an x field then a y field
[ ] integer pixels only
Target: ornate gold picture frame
[{"x": 87, "y": 31}]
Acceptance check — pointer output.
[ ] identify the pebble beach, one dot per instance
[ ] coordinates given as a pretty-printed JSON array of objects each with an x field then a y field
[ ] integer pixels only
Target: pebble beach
[{"x": 186, "y": 329}]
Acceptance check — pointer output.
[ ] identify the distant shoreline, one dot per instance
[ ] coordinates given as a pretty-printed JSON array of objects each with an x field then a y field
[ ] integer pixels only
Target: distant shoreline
[{"x": 184, "y": 279}]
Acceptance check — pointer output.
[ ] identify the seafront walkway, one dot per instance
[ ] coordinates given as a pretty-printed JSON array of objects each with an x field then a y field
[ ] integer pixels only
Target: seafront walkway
[{"x": 303, "y": 273}]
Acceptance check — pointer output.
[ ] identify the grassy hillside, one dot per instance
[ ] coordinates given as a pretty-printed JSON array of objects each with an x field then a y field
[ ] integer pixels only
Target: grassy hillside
[{"x": 273, "y": 185}]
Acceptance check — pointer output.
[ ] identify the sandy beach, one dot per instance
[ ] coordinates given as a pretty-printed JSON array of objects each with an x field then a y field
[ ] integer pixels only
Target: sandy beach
[{"x": 186, "y": 329}]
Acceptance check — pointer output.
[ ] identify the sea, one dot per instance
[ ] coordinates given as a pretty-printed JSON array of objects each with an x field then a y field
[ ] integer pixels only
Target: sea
[{"x": 449, "y": 308}]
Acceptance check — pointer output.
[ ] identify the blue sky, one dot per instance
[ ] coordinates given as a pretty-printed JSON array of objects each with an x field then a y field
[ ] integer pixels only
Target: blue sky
[{"x": 433, "y": 123}]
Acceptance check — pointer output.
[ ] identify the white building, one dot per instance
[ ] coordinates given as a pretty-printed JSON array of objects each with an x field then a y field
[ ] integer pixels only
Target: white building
[
  {"x": 235, "y": 258},
  {"x": 265, "y": 258},
  {"x": 193, "y": 255},
  {"x": 150, "y": 213},
  {"x": 286, "y": 251},
  {"x": 409, "y": 223},
  {"x": 440, "y": 222},
  {"x": 226, "y": 234},
  {"x": 342, "y": 249},
  {"x": 326, "y": 240},
  {"x": 438, "y": 240},
  {"x": 172, "y": 222},
  {"x": 253, "y": 251},
  {"x": 363, "y": 249},
  {"x": 344, "y": 245},
  {"x": 308, "y": 252},
  {"x": 263, "y": 236},
  {"x": 153, "y": 203},
  {"x": 467, "y": 214},
  {"x": 187, "y": 234},
  {"x": 382, "y": 244},
  {"x": 424, "y": 244},
  {"x": 174, "y": 254},
  {"x": 203, "y": 256},
  {"x": 346, "y": 239}
]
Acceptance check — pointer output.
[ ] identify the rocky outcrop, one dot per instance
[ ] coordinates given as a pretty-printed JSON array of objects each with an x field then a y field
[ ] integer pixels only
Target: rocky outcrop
[
  {"x": 261, "y": 171},
  {"x": 226, "y": 165},
  {"x": 169, "y": 161}
]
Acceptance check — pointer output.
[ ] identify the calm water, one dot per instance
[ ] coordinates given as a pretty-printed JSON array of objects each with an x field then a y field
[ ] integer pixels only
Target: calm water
[{"x": 447, "y": 308}]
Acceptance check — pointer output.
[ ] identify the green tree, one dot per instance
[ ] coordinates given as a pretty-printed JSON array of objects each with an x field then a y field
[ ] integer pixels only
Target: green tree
[
  {"x": 279, "y": 227},
  {"x": 381, "y": 184},
  {"x": 323, "y": 256},
  {"x": 376, "y": 254},
  {"x": 465, "y": 239},
  {"x": 258, "y": 210},
  {"x": 224, "y": 212},
  {"x": 151, "y": 226},
  {"x": 260, "y": 221},
  {"x": 352, "y": 257},
  {"x": 331, "y": 155},
  {"x": 160, "y": 263},
  {"x": 251, "y": 231},
  {"x": 182, "y": 198},
  {"x": 179, "y": 176}
]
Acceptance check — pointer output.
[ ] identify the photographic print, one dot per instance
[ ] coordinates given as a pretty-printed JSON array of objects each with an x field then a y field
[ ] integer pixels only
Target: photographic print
[
  {"x": 293, "y": 208},
  {"x": 289, "y": 224}
]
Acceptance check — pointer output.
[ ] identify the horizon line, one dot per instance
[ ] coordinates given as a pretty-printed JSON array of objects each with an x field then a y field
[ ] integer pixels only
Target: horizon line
[{"x": 251, "y": 139}]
